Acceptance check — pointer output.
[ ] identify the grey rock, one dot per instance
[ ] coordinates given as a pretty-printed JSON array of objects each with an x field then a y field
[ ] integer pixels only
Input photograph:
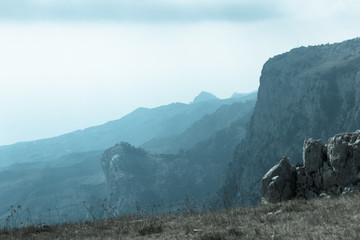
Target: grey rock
[
  {"x": 322, "y": 175},
  {"x": 309, "y": 181},
  {"x": 301, "y": 177},
  {"x": 317, "y": 181},
  {"x": 344, "y": 156},
  {"x": 335, "y": 190},
  {"x": 279, "y": 184},
  {"x": 329, "y": 177},
  {"x": 275, "y": 213},
  {"x": 310, "y": 194},
  {"x": 325, "y": 195},
  {"x": 313, "y": 155}
]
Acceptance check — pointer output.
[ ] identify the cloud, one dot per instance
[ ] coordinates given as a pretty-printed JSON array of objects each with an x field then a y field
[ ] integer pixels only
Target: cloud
[
  {"x": 320, "y": 9},
  {"x": 137, "y": 10}
]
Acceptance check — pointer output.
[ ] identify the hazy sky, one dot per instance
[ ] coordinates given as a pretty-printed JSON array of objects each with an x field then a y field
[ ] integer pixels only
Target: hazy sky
[{"x": 70, "y": 64}]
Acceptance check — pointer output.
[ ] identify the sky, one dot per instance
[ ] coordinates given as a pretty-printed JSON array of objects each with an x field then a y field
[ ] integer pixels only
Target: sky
[{"x": 70, "y": 64}]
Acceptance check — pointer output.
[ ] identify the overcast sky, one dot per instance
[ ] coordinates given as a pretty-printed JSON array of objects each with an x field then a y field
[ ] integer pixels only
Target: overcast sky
[{"x": 70, "y": 64}]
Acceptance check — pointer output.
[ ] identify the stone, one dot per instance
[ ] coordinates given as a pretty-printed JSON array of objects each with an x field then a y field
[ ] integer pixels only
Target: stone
[
  {"x": 313, "y": 155},
  {"x": 301, "y": 177},
  {"x": 309, "y": 181},
  {"x": 279, "y": 184},
  {"x": 324, "y": 195},
  {"x": 310, "y": 194},
  {"x": 331, "y": 169},
  {"x": 329, "y": 177},
  {"x": 344, "y": 156}
]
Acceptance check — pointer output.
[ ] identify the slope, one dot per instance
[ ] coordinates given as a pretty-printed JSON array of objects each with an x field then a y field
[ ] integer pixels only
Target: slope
[
  {"x": 136, "y": 176},
  {"x": 137, "y": 128},
  {"x": 202, "y": 129}
]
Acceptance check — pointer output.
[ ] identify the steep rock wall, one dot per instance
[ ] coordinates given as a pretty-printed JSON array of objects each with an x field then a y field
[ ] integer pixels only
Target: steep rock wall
[
  {"x": 135, "y": 176},
  {"x": 307, "y": 92}
]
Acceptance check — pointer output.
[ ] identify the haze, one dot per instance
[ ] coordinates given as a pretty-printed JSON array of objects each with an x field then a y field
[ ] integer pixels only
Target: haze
[{"x": 68, "y": 65}]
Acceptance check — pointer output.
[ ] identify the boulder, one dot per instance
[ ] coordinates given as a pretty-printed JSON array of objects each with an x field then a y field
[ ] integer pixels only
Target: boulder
[
  {"x": 329, "y": 177},
  {"x": 313, "y": 155},
  {"x": 279, "y": 184},
  {"x": 344, "y": 156},
  {"x": 330, "y": 169}
]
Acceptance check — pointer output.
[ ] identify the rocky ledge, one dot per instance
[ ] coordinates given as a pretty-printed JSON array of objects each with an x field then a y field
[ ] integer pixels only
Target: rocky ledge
[{"x": 330, "y": 169}]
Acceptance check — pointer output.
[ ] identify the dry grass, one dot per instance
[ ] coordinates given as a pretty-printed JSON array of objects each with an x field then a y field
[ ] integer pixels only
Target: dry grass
[{"x": 336, "y": 218}]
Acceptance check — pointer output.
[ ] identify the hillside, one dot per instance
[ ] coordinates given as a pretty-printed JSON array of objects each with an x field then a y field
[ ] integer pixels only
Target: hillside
[
  {"x": 63, "y": 183},
  {"x": 335, "y": 218},
  {"x": 307, "y": 92},
  {"x": 202, "y": 129},
  {"x": 134, "y": 175},
  {"x": 136, "y": 128},
  {"x": 60, "y": 188}
]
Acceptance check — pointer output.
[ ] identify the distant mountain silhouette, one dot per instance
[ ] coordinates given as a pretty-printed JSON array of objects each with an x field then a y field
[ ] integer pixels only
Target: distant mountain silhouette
[
  {"x": 136, "y": 128},
  {"x": 200, "y": 130},
  {"x": 245, "y": 96},
  {"x": 63, "y": 171},
  {"x": 204, "y": 96},
  {"x": 134, "y": 175}
]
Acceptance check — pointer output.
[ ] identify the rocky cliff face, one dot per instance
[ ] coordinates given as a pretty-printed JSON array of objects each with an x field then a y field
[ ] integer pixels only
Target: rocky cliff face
[
  {"x": 307, "y": 92},
  {"x": 327, "y": 170},
  {"x": 133, "y": 175}
]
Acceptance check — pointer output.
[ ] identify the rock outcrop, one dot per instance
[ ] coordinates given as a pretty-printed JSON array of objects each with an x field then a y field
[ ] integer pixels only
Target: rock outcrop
[
  {"x": 326, "y": 170},
  {"x": 134, "y": 175},
  {"x": 131, "y": 174},
  {"x": 279, "y": 184},
  {"x": 307, "y": 92}
]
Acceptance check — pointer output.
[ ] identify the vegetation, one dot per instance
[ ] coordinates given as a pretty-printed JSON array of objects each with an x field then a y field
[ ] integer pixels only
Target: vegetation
[
  {"x": 67, "y": 177},
  {"x": 335, "y": 218}
]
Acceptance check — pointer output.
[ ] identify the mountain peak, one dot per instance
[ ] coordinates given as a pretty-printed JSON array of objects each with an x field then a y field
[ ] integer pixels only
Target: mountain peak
[
  {"x": 204, "y": 96},
  {"x": 238, "y": 95}
]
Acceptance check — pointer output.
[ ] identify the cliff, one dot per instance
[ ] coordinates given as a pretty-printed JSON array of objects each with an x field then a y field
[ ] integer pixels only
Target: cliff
[
  {"x": 135, "y": 176},
  {"x": 307, "y": 92}
]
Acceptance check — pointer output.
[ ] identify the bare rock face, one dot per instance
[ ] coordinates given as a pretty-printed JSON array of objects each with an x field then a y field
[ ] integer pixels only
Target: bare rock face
[
  {"x": 307, "y": 92},
  {"x": 136, "y": 178},
  {"x": 279, "y": 183},
  {"x": 130, "y": 175},
  {"x": 327, "y": 170}
]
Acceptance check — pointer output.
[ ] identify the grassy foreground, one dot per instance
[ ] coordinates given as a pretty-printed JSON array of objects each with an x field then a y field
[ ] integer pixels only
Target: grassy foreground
[{"x": 336, "y": 218}]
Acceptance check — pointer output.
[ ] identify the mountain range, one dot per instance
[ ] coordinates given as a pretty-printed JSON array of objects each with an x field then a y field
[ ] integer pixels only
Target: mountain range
[
  {"x": 136, "y": 128},
  {"x": 64, "y": 171},
  {"x": 192, "y": 150}
]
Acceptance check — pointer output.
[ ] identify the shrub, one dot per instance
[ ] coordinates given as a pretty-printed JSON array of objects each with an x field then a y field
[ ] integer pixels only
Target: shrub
[{"x": 150, "y": 229}]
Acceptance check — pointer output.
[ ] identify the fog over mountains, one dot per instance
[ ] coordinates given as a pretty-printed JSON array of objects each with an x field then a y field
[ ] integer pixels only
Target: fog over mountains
[
  {"x": 64, "y": 171},
  {"x": 136, "y": 128}
]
